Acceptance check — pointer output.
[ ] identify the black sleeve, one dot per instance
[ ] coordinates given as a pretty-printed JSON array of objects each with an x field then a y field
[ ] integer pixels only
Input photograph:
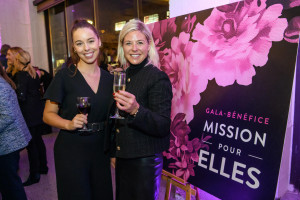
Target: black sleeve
[
  {"x": 155, "y": 120},
  {"x": 55, "y": 91}
]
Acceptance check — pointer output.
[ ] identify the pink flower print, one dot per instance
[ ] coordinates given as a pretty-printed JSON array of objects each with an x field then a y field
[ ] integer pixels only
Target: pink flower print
[
  {"x": 162, "y": 31},
  {"x": 186, "y": 169},
  {"x": 203, "y": 145},
  {"x": 178, "y": 127},
  {"x": 188, "y": 23},
  {"x": 291, "y": 34},
  {"x": 286, "y": 3},
  {"x": 194, "y": 146},
  {"x": 182, "y": 151},
  {"x": 228, "y": 8},
  {"x": 294, "y": 3},
  {"x": 186, "y": 86},
  {"x": 172, "y": 151},
  {"x": 192, "y": 149},
  {"x": 179, "y": 137},
  {"x": 230, "y": 44}
]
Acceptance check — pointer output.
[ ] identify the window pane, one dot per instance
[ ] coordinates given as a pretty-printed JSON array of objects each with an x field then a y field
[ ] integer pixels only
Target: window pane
[
  {"x": 154, "y": 10},
  {"x": 78, "y": 9},
  {"x": 112, "y": 15},
  {"x": 58, "y": 36}
]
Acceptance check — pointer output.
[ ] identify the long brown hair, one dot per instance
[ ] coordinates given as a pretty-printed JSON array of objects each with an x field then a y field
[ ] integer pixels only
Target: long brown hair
[
  {"x": 4, "y": 75},
  {"x": 22, "y": 61}
]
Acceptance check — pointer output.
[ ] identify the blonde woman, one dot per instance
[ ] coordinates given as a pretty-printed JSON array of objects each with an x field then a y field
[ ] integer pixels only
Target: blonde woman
[
  {"x": 28, "y": 85},
  {"x": 146, "y": 104}
]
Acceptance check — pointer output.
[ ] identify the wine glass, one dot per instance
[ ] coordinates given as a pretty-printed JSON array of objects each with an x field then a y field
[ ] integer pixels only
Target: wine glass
[
  {"x": 119, "y": 84},
  {"x": 83, "y": 106}
]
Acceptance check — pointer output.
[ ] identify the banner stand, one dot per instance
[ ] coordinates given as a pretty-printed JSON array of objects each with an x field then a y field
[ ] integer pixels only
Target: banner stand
[{"x": 180, "y": 183}]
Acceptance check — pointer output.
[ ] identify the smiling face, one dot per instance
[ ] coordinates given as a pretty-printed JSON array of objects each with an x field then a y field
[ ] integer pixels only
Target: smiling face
[
  {"x": 136, "y": 47},
  {"x": 86, "y": 44}
]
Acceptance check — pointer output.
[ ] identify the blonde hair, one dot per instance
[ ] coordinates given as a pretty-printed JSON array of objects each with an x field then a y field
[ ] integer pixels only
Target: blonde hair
[
  {"x": 22, "y": 61},
  {"x": 137, "y": 25},
  {"x": 10, "y": 66}
]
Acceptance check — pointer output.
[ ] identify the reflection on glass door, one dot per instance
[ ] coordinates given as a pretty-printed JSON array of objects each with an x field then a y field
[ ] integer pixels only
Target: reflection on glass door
[
  {"x": 58, "y": 36},
  {"x": 112, "y": 15},
  {"x": 76, "y": 9}
]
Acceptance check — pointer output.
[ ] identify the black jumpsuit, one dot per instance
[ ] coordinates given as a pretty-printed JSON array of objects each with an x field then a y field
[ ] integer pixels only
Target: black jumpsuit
[{"x": 82, "y": 167}]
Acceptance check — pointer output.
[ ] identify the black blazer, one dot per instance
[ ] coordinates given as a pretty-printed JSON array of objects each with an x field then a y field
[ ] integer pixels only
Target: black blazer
[{"x": 149, "y": 132}]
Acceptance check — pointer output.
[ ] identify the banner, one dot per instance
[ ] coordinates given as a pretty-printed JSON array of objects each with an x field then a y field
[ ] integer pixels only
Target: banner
[{"x": 232, "y": 71}]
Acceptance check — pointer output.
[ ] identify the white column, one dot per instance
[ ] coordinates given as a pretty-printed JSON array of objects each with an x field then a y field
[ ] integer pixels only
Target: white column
[
  {"x": 182, "y": 7},
  {"x": 22, "y": 26}
]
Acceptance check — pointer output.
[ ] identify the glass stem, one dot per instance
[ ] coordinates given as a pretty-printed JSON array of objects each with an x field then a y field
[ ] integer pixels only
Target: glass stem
[{"x": 117, "y": 112}]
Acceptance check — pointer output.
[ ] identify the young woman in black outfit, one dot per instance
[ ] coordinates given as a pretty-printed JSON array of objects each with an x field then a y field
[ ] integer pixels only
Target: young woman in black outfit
[
  {"x": 144, "y": 134},
  {"x": 82, "y": 167}
]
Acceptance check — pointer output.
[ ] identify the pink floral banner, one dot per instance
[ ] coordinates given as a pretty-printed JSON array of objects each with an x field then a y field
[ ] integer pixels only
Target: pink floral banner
[{"x": 232, "y": 71}]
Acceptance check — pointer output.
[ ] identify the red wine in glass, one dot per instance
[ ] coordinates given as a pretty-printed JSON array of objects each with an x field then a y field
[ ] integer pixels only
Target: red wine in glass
[
  {"x": 83, "y": 106},
  {"x": 84, "y": 109}
]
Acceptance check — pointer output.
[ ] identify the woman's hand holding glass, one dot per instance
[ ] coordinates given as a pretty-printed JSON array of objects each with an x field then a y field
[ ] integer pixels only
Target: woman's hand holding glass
[
  {"x": 77, "y": 122},
  {"x": 126, "y": 102},
  {"x": 83, "y": 106},
  {"x": 118, "y": 85}
]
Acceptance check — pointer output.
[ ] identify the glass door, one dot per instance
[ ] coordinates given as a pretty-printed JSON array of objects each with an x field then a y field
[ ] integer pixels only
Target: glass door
[{"x": 58, "y": 38}]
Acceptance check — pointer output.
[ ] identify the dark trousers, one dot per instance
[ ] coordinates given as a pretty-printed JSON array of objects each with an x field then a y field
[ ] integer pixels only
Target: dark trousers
[
  {"x": 82, "y": 168},
  {"x": 138, "y": 178},
  {"x": 36, "y": 151},
  {"x": 11, "y": 186}
]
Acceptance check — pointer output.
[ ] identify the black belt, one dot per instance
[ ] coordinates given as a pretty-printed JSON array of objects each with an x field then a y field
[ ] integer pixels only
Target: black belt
[{"x": 93, "y": 128}]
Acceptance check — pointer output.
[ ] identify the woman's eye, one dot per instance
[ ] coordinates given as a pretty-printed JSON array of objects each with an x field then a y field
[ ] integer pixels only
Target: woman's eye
[
  {"x": 91, "y": 41},
  {"x": 128, "y": 43},
  {"x": 78, "y": 44}
]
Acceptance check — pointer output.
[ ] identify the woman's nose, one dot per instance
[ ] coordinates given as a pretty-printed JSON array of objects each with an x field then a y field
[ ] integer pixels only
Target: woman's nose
[
  {"x": 134, "y": 47},
  {"x": 86, "y": 47}
]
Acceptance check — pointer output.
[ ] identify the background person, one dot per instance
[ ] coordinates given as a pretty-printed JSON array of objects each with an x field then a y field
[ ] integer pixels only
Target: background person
[
  {"x": 145, "y": 133},
  {"x": 82, "y": 167},
  {"x": 45, "y": 80},
  {"x": 28, "y": 93},
  {"x": 3, "y": 60},
  {"x": 14, "y": 136}
]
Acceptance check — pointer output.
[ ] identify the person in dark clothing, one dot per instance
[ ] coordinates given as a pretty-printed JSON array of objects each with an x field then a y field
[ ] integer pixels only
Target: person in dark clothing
[
  {"x": 144, "y": 134},
  {"x": 82, "y": 167},
  {"x": 3, "y": 60},
  {"x": 14, "y": 136},
  {"x": 28, "y": 93},
  {"x": 45, "y": 80}
]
